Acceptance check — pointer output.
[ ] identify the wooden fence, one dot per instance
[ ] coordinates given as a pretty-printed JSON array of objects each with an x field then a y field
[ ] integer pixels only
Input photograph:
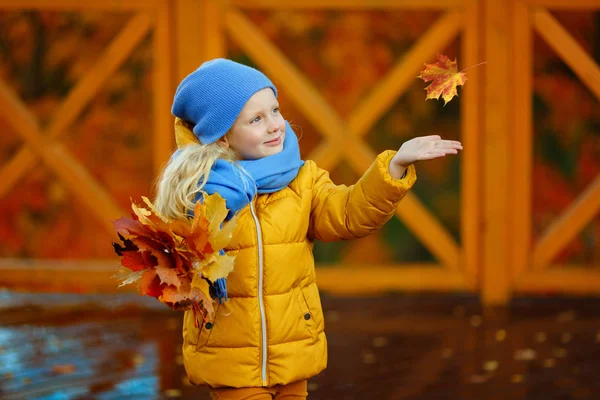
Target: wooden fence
[{"x": 492, "y": 257}]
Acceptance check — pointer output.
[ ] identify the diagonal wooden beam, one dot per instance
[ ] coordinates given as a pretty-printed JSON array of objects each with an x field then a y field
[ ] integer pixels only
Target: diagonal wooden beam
[
  {"x": 60, "y": 161},
  {"x": 567, "y": 225},
  {"x": 112, "y": 58},
  {"x": 327, "y": 121},
  {"x": 429, "y": 231},
  {"x": 569, "y": 50},
  {"x": 393, "y": 85}
]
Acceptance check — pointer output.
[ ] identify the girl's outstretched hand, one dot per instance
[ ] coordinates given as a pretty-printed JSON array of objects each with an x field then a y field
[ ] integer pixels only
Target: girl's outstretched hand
[{"x": 421, "y": 148}]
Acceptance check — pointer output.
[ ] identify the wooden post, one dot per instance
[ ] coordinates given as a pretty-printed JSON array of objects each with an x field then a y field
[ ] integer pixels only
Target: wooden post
[
  {"x": 471, "y": 114},
  {"x": 199, "y": 35},
  {"x": 496, "y": 249},
  {"x": 163, "y": 142},
  {"x": 521, "y": 139}
]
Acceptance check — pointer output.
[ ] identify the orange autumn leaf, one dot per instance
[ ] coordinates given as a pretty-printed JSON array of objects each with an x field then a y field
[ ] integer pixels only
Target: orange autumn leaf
[
  {"x": 168, "y": 276},
  {"x": 169, "y": 260},
  {"x": 444, "y": 77}
]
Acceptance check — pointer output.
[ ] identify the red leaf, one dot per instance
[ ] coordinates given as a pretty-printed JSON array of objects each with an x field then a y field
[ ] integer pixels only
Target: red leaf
[
  {"x": 150, "y": 284},
  {"x": 137, "y": 261}
]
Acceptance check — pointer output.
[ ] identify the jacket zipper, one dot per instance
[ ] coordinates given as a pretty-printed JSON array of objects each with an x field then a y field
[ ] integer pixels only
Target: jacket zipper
[{"x": 260, "y": 296}]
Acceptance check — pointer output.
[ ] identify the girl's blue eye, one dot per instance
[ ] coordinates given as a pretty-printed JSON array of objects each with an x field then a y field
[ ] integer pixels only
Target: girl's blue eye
[
  {"x": 255, "y": 120},
  {"x": 276, "y": 110}
]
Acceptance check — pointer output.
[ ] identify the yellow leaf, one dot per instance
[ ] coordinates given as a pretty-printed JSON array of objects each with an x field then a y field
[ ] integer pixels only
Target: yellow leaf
[
  {"x": 153, "y": 209},
  {"x": 199, "y": 221},
  {"x": 209, "y": 217},
  {"x": 216, "y": 211},
  {"x": 221, "y": 238},
  {"x": 199, "y": 282},
  {"x": 127, "y": 276},
  {"x": 142, "y": 214},
  {"x": 218, "y": 267}
]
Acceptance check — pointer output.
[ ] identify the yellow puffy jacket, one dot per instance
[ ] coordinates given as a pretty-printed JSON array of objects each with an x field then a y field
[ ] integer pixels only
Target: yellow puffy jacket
[{"x": 270, "y": 331}]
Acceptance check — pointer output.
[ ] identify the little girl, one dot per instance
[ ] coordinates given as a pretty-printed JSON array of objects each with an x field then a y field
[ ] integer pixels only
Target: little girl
[{"x": 267, "y": 337}]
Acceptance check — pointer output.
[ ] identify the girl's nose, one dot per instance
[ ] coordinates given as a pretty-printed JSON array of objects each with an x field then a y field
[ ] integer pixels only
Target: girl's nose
[{"x": 273, "y": 126}]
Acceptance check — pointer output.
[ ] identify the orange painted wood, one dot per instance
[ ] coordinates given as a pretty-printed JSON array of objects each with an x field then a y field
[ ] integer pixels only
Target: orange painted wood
[
  {"x": 582, "y": 5},
  {"x": 60, "y": 161},
  {"x": 163, "y": 76},
  {"x": 324, "y": 118},
  {"x": 569, "y": 50},
  {"x": 96, "y": 276},
  {"x": 521, "y": 140},
  {"x": 368, "y": 279},
  {"x": 63, "y": 276},
  {"x": 111, "y": 5},
  {"x": 79, "y": 97},
  {"x": 348, "y": 4},
  {"x": 213, "y": 35},
  {"x": 471, "y": 117},
  {"x": 496, "y": 284},
  {"x": 571, "y": 280},
  {"x": 567, "y": 225},
  {"x": 188, "y": 36},
  {"x": 392, "y": 86}
]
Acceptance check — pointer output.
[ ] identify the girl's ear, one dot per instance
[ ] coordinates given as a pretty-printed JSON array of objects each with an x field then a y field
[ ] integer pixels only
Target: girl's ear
[{"x": 224, "y": 142}]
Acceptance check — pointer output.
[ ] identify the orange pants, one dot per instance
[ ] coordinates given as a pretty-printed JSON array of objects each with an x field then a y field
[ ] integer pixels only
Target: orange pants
[{"x": 295, "y": 391}]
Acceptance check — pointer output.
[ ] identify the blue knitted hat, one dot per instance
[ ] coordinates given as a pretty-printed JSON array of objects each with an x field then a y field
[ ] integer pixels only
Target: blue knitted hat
[{"x": 212, "y": 97}]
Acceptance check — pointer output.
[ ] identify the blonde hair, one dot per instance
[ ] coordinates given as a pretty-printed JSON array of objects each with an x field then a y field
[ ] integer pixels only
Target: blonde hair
[{"x": 184, "y": 176}]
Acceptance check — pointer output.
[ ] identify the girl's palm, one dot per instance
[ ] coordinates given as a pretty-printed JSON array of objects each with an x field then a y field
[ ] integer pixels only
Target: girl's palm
[{"x": 425, "y": 148}]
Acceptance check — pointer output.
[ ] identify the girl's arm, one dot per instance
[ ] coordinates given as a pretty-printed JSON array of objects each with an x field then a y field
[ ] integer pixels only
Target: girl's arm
[{"x": 339, "y": 212}]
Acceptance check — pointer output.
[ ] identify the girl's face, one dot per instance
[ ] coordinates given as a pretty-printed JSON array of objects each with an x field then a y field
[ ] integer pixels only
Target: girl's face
[{"x": 259, "y": 130}]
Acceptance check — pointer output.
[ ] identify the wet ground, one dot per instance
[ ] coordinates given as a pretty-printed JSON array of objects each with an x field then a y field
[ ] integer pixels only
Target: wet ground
[{"x": 394, "y": 347}]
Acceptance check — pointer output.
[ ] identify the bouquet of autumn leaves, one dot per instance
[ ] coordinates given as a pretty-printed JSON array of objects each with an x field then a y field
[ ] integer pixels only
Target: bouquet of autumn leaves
[{"x": 173, "y": 260}]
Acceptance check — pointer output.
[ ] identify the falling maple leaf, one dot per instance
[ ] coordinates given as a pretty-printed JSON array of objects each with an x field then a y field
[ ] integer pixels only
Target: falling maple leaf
[
  {"x": 173, "y": 260},
  {"x": 444, "y": 78}
]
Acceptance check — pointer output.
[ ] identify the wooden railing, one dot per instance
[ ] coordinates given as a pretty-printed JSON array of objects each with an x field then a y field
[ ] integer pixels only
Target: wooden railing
[
  {"x": 45, "y": 146},
  {"x": 344, "y": 139},
  {"x": 491, "y": 256},
  {"x": 532, "y": 262}
]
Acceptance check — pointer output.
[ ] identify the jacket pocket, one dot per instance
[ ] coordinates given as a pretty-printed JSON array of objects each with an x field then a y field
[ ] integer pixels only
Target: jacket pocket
[
  {"x": 207, "y": 329},
  {"x": 197, "y": 336},
  {"x": 311, "y": 297},
  {"x": 305, "y": 312}
]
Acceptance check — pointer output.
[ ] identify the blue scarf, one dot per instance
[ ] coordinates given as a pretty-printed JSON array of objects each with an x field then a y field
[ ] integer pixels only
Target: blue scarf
[{"x": 238, "y": 186}]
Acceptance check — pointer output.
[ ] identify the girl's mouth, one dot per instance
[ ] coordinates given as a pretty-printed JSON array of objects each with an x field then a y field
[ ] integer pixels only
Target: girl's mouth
[{"x": 273, "y": 142}]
